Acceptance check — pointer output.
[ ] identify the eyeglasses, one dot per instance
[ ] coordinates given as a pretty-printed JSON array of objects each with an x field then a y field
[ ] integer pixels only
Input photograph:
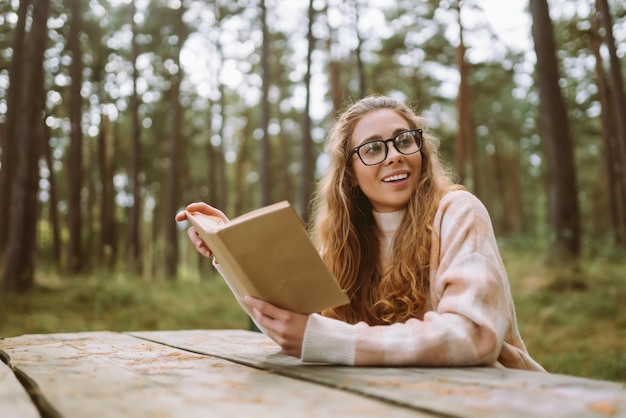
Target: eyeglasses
[{"x": 375, "y": 152}]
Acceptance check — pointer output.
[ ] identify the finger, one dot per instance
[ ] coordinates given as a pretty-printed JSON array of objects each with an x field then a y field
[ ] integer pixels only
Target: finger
[
  {"x": 180, "y": 216},
  {"x": 198, "y": 243},
  {"x": 206, "y": 209},
  {"x": 265, "y": 308}
]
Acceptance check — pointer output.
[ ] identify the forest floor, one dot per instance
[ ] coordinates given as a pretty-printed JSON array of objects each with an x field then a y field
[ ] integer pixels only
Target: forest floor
[{"x": 573, "y": 320}]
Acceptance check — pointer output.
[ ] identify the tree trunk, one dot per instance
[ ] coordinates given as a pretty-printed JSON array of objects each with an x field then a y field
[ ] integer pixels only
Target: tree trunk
[
  {"x": 307, "y": 178},
  {"x": 619, "y": 99},
  {"x": 135, "y": 212},
  {"x": 176, "y": 151},
  {"x": 107, "y": 224},
  {"x": 75, "y": 158},
  {"x": 53, "y": 200},
  {"x": 266, "y": 181},
  {"x": 9, "y": 142},
  {"x": 359, "y": 46},
  {"x": 210, "y": 154},
  {"x": 242, "y": 201},
  {"x": 334, "y": 69},
  {"x": 463, "y": 106},
  {"x": 609, "y": 140},
  {"x": 564, "y": 212},
  {"x": 19, "y": 257},
  {"x": 503, "y": 219}
]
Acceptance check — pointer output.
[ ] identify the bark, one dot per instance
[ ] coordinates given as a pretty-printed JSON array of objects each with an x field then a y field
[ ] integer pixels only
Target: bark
[
  {"x": 609, "y": 140},
  {"x": 563, "y": 210},
  {"x": 242, "y": 168},
  {"x": 307, "y": 179},
  {"x": 53, "y": 211},
  {"x": 18, "y": 265},
  {"x": 463, "y": 107},
  {"x": 334, "y": 69},
  {"x": 618, "y": 99},
  {"x": 358, "y": 53},
  {"x": 107, "y": 225},
  {"x": 218, "y": 182},
  {"x": 135, "y": 212},
  {"x": 504, "y": 218},
  {"x": 176, "y": 151},
  {"x": 266, "y": 181},
  {"x": 8, "y": 142},
  {"x": 75, "y": 158}
]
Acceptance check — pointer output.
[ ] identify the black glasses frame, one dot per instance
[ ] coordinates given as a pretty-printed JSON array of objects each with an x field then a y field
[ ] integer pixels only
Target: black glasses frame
[{"x": 415, "y": 133}]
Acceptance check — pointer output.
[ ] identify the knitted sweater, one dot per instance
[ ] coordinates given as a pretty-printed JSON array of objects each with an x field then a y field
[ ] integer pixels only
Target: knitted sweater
[{"x": 471, "y": 318}]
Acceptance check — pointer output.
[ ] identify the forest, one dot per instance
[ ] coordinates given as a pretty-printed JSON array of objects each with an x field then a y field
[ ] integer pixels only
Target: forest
[{"x": 114, "y": 114}]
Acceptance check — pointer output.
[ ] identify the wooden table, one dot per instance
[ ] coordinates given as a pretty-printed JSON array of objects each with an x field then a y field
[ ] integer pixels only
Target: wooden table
[{"x": 233, "y": 373}]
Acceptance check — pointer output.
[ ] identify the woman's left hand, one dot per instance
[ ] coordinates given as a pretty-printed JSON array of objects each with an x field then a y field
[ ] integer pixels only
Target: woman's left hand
[{"x": 286, "y": 328}]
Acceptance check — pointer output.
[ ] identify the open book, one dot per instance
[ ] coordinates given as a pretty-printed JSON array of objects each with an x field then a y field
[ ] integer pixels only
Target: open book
[{"x": 267, "y": 254}]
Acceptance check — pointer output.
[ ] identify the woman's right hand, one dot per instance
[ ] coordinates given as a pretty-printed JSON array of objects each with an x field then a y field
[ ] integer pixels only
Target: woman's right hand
[{"x": 191, "y": 232}]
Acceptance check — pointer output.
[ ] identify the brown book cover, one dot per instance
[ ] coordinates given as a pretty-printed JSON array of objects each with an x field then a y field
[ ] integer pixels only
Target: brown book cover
[{"x": 267, "y": 254}]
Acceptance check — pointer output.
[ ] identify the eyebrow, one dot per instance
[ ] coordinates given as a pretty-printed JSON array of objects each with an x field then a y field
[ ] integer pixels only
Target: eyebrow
[{"x": 378, "y": 137}]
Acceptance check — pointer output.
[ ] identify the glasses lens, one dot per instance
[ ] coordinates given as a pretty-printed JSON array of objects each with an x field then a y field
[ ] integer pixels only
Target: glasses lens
[
  {"x": 407, "y": 142},
  {"x": 372, "y": 152}
]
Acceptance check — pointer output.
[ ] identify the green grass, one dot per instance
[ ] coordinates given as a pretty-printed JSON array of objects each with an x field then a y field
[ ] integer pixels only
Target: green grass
[
  {"x": 120, "y": 303},
  {"x": 573, "y": 320}
]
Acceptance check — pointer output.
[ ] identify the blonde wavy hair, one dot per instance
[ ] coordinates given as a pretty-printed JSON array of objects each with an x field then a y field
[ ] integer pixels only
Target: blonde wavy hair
[{"x": 343, "y": 227}]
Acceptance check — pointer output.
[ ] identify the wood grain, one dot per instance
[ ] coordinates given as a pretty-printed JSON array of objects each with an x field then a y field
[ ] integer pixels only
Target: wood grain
[
  {"x": 14, "y": 400},
  {"x": 464, "y": 392},
  {"x": 108, "y": 374}
]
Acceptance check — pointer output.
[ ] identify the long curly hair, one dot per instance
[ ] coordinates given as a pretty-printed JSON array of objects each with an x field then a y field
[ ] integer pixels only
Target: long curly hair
[{"x": 343, "y": 226}]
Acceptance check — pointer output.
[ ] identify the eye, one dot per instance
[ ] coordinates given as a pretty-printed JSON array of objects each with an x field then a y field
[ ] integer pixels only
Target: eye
[
  {"x": 405, "y": 139},
  {"x": 374, "y": 147}
]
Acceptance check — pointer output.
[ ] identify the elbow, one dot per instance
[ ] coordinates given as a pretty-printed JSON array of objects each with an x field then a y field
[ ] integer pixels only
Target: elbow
[{"x": 488, "y": 346}]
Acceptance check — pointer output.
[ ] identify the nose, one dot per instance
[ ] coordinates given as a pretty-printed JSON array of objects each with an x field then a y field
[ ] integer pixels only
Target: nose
[{"x": 393, "y": 155}]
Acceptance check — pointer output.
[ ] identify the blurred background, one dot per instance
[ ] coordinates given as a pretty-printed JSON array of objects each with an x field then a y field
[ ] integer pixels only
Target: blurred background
[{"x": 114, "y": 114}]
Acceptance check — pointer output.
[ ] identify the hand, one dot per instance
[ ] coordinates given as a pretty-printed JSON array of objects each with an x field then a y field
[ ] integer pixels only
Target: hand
[
  {"x": 286, "y": 328},
  {"x": 191, "y": 232}
]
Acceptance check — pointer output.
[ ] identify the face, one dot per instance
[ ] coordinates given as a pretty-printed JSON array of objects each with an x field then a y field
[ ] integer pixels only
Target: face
[{"x": 390, "y": 184}]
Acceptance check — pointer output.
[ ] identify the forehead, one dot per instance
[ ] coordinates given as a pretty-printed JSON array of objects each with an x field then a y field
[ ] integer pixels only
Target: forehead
[{"x": 381, "y": 123}]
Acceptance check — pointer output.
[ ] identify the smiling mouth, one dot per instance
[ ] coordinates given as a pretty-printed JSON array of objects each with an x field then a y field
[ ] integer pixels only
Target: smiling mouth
[{"x": 396, "y": 177}]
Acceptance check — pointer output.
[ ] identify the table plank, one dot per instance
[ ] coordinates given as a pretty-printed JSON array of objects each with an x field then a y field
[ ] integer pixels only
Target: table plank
[
  {"x": 116, "y": 375},
  {"x": 14, "y": 400},
  {"x": 465, "y": 392}
]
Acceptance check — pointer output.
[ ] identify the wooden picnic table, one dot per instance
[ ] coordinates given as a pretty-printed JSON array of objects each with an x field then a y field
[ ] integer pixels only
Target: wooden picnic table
[{"x": 235, "y": 373}]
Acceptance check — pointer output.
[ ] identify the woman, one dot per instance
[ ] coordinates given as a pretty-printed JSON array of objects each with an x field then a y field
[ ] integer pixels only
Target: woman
[{"x": 416, "y": 254}]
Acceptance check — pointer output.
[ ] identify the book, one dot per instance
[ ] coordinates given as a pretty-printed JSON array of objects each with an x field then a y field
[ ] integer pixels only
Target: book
[{"x": 267, "y": 254}]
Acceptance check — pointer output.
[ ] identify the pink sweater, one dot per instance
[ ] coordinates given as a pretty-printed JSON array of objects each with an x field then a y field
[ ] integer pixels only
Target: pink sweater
[{"x": 471, "y": 318}]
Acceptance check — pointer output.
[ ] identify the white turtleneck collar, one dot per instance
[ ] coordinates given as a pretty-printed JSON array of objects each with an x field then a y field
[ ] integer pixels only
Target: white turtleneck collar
[{"x": 387, "y": 223}]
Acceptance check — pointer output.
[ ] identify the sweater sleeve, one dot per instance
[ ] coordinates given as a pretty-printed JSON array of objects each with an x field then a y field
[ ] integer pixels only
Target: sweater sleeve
[{"x": 471, "y": 307}]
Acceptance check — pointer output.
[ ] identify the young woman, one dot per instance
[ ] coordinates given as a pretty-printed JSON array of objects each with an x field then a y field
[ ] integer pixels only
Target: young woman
[{"x": 416, "y": 254}]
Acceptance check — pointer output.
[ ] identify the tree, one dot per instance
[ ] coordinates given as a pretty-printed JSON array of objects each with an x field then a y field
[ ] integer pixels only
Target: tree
[
  {"x": 53, "y": 199},
  {"x": 266, "y": 181},
  {"x": 108, "y": 246},
  {"x": 176, "y": 150},
  {"x": 359, "y": 51},
  {"x": 563, "y": 206},
  {"x": 8, "y": 143},
  {"x": 308, "y": 175},
  {"x": 19, "y": 257},
  {"x": 618, "y": 105},
  {"x": 75, "y": 158},
  {"x": 134, "y": 238},
  {"x": 610, "y": 147}
]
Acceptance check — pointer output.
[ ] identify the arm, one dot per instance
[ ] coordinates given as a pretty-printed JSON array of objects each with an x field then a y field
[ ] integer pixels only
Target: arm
[
  {"x": 191, "y": 232},
  {"x": 470, "y": 309}
]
